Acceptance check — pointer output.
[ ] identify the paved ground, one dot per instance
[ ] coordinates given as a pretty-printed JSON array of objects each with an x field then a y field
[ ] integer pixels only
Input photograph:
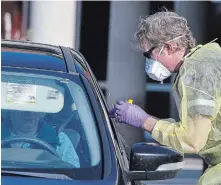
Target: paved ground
[{"x": 188, "y": 176}]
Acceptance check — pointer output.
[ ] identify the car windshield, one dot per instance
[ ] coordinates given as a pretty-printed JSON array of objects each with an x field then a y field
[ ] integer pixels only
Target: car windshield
[{"x": 47, "y": 125}]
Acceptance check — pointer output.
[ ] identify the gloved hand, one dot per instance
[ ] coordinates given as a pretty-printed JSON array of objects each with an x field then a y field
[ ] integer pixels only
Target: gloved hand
[{"x": 129, "y": 113}]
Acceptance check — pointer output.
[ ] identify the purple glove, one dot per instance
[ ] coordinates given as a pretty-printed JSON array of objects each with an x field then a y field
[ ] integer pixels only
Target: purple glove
[{"x": 129, "y": 113}]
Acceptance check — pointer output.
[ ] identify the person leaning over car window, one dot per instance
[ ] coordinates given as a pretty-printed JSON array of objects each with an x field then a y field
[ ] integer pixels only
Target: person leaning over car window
[
  {"x": 28, "y": 124},
  {"x": 169, "y": 46}
]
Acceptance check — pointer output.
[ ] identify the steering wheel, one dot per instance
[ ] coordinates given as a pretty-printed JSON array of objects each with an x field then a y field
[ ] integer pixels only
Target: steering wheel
[{"x": 36, "y": 141}]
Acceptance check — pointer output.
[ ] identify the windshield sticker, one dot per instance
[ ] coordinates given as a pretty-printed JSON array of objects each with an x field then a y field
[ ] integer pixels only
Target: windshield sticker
[
  {"x": 53, "y": 95},
  {"x": 21, "y": 93}
]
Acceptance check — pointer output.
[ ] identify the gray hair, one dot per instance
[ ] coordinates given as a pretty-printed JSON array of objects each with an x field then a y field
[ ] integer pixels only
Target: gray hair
[{"x": 163, "y": 26}]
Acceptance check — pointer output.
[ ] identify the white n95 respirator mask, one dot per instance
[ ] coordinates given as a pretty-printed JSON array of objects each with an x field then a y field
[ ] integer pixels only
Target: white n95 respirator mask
[{"x": 156, "y": 71}]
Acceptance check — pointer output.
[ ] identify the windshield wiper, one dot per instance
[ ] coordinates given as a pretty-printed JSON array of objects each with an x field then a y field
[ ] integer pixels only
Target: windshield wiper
[{"x": 34, "y": 174}]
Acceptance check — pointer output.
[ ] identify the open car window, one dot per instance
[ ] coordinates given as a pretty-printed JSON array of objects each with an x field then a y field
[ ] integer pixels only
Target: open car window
[{"x": 47, "y": 123}]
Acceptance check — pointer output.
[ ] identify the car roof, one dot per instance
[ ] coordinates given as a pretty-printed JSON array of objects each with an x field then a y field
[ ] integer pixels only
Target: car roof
[
  {"x": 26, "y": 54},
  {"x": 32, "y": 55}
]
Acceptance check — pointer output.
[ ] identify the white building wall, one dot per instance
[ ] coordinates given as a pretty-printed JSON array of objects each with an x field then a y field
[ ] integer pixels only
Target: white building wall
[{"x": 53, "y": 22}]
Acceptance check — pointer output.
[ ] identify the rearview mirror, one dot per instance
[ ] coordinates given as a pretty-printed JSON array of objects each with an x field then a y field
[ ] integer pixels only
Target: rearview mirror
[{"x": 152, "y": 162}]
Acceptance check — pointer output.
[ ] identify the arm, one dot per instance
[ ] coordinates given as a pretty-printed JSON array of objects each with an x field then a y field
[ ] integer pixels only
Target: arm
[
  {"x": 200, "y": 91},
  {"x": 188, "y": 140},
  {"x": 67, "y": 151}
]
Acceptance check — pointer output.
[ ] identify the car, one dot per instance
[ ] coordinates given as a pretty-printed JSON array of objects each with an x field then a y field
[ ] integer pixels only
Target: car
[{"x": 56, "y": 128}]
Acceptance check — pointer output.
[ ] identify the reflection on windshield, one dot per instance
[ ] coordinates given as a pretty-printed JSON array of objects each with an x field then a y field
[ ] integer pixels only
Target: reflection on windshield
[
  {"x": 35, "y": 134},
  {"x": 23, "y": 124}
]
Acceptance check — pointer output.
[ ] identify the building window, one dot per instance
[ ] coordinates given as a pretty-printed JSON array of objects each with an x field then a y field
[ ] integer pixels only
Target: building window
[
  {"x": 94, "y": 35},
  {"x": 213, "y": 21},
  {"x": 158, "y": 104}
]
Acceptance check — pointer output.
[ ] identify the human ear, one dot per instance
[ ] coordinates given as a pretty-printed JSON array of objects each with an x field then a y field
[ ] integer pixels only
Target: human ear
[{"x": 169, "y": 48}]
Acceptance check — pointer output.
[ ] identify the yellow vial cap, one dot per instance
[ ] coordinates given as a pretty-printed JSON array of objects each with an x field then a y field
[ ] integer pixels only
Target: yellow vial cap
[{"x": 130, "y": 101}]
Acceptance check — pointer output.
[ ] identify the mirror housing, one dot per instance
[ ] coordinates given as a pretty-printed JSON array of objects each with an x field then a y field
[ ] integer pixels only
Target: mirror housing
[{"x": 152, "y": 162}]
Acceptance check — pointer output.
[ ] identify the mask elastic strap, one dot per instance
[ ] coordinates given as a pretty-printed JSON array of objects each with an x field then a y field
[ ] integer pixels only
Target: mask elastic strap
[
  {"x": 192, "y": 51},
  {"x": 177, "y": 38},
  {"x": 161, "y": 50},
  {"x": 171, "y": 41}
]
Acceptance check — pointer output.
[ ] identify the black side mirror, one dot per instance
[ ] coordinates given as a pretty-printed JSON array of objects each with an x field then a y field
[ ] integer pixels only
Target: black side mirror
[{"x": 152, "y": 162}]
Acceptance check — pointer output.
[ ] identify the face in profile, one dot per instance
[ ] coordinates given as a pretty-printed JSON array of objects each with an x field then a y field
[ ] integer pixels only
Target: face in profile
[{"x": 24, "y": 121}]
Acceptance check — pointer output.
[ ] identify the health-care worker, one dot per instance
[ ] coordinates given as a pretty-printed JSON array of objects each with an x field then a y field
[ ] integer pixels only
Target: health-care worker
[{"x": 169, "y": 47}]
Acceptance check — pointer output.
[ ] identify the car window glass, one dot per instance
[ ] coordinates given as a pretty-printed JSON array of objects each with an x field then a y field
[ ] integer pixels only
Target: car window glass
[{"x": 47, "y": 122}]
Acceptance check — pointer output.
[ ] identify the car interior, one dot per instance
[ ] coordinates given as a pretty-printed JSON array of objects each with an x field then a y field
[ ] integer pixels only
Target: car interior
[{"x": 67, "y": 120}]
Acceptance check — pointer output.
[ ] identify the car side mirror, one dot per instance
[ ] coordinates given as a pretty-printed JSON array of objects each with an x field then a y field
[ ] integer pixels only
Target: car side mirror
[{"x": 152, "y": 162}]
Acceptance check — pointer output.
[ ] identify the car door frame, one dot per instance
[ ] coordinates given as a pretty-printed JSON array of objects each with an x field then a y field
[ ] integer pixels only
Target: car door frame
[{"x": 118, "y": 146}]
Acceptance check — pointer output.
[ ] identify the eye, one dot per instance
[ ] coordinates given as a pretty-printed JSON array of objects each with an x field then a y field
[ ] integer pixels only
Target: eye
[{"x": 148, "y": 54}]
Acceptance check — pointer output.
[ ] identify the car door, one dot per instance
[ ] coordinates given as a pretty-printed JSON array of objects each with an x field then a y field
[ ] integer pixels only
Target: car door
[
  {"x": 120, "y": 144},
  {"x": 120, "y": 151}
]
